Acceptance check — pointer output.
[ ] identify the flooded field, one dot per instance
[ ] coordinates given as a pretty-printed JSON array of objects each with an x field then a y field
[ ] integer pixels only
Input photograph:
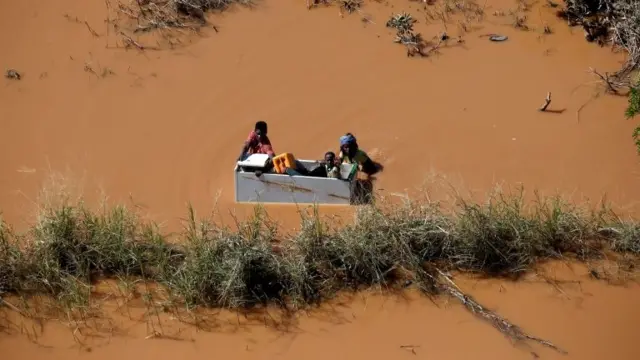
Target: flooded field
[{"x": 163, "y": 128}]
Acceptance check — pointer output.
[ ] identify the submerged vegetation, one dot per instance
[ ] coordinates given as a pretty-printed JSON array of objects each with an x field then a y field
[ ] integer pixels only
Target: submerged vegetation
[{"x": 71, "y": 248}]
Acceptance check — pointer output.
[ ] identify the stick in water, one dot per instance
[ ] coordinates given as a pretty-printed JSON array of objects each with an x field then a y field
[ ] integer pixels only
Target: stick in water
[
  {"x": 547, "y": 101},
  {"x": 10, "y": 306},
  {"x": 503, "y": 325}
]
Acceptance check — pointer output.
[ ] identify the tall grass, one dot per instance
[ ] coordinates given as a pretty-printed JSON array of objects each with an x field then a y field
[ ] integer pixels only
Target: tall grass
[{"x": 388, "y": 246}]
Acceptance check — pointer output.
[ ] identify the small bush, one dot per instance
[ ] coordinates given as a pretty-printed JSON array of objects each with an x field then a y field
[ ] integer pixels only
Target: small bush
[
  {"x": 232, "y": 269},
  {"x": 633, "y": 108}
]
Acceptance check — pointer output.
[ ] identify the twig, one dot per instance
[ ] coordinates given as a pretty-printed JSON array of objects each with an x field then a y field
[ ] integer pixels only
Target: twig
[
  {"x": 503, "y": 325},
  {"x": 93, "y": 32},
  {"x": 365, "y": 18},
  {"x": 583, "y": 106},
  {"x": 130, "y": 41},
  {"x": 127, "y": 12},
  {"x": 107, "y": 21},
  {"x": 411, "y": 348},
  {"x": 547, "y": 101},
  {"x": 11, "y": 306},
  {"x": 88, "y": 68},
  {"x": 441, "y": 39},
  {"x": 605, "y": 78},
  {"x": 142, "y": 11}
]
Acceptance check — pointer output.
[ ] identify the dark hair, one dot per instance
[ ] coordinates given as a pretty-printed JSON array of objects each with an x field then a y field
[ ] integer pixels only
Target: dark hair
[
  {"x": 262, "y": 126},
  {"x": 330, "y": 153},
  {"x": 353, "y": 136}
]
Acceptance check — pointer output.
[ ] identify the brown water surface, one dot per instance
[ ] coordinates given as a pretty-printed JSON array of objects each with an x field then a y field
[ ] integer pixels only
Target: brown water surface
[
  {"x": 166, "y": 126},
  {"x": 590, "y": 320}
]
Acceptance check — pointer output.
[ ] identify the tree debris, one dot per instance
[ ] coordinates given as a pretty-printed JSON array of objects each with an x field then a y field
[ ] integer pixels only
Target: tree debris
[
  {"x": 612, "y": 22},
  {"x": 501, "y": 324},
  {"x": 13, "y": 74},
  {"x": 547, "y": 101}
]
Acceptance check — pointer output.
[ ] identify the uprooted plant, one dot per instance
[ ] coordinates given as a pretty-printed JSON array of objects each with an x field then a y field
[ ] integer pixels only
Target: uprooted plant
[{"x": 403, "y": 23}]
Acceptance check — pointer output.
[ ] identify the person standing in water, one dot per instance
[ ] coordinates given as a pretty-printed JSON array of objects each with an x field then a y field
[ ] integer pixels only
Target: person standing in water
[{"x": 350, "y": 153}]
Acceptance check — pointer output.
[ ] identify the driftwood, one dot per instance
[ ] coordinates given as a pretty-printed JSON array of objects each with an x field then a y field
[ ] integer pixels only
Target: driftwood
[
  {"x": 547, "y": 101},
  {"x": 501, "y": 324},
  {"x": 612, "y": 85},
  {"x": 11, "y": 306}
]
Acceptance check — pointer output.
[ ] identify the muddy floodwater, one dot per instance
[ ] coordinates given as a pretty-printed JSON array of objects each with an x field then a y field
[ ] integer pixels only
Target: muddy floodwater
[
  {"x": 163, "y": 128},
  {"x": 586, "y": 318}
]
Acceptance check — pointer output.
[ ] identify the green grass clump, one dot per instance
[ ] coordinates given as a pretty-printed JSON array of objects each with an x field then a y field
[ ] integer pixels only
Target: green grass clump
[
  {"x": 10, "y": 259},
  {"x": 72, "y": 241},
  {"x": 223, "y": 268},
  {"x": 387, "y": 246}
]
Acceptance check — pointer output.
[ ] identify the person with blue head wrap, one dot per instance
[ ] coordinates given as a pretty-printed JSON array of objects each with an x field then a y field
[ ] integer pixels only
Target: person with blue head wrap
[
  {"x": 347, "y": 139},
  {"x": 350, "y": 153}
]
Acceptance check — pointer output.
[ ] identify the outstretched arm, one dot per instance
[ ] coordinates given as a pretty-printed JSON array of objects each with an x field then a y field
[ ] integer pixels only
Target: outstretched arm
[
  {"x": 369, "y": 167},
  {"x": 245, "y": 148},
  {"x": 251, "y": 140}
]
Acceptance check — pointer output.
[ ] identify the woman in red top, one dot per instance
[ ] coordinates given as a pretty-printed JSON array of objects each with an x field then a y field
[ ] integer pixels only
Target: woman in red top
[{"x": 257, "y": 143}]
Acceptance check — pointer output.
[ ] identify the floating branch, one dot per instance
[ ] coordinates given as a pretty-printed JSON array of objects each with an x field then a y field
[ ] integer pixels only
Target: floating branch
[
  {"x": 547, "y": 101},
  {"x": 503, "y": 325}
]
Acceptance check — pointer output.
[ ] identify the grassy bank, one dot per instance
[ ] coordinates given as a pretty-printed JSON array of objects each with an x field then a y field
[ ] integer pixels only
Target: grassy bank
[{"x": 391, "y": 246}]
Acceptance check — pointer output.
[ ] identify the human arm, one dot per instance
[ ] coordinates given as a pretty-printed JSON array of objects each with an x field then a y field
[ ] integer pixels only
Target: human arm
[
  {"x": 250, "y": 142},
  {"x": 367, "y": 165},
  {"x": 267, "y": 149},
  {"x": 243, "y": 153},
  {"x": 340, "y": 158}
]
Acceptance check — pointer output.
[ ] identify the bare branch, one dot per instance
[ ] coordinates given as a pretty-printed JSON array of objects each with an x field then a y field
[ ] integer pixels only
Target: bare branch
[{"x": 547, "y": 101}]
